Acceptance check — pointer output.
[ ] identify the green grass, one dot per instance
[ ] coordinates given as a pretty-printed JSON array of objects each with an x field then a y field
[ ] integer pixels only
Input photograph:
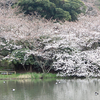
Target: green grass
[
  {"x": 49, "y": 75},
  {"x": 8, "y": 76},
  {"x": 28, "y": 76}
]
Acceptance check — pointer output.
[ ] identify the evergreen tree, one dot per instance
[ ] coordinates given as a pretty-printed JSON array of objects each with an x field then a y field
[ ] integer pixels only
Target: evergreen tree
[{"x": 55, "y": 9}]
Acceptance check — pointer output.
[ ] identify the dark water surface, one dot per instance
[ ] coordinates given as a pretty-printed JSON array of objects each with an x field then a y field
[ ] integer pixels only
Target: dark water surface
[{"x": 69, "y": 89}]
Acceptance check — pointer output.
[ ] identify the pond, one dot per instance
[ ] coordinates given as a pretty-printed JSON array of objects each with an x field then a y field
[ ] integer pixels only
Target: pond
[{"x": 63, "y": 89}]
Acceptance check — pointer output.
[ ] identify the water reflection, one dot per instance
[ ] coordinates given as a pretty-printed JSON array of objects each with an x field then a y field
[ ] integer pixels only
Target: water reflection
[{"x": 74, "y": 89}]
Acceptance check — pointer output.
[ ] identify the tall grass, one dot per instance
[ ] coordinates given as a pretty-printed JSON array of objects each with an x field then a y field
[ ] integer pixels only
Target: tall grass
[{"x": 28, "y": 76}]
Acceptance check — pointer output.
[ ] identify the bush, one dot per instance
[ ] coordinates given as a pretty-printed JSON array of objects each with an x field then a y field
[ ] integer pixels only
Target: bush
[
  {"x": 22, "y": 59},
  {"x": 4, "y": 64},
  {"x": 62, "y": 15},
  {"x": 55, "y": 9},
  {"x": 74, "y": 7}
]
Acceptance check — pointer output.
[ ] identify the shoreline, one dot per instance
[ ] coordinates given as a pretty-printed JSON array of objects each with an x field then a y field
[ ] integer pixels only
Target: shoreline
[
  {"x": 41, "y": 76},
  {"x": 28, "y": 76}
]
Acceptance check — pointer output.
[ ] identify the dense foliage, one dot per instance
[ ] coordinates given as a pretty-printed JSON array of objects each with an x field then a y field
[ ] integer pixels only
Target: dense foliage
[
  {"x": 23, "y": 59},
  {"x": 55, "y": 9}
]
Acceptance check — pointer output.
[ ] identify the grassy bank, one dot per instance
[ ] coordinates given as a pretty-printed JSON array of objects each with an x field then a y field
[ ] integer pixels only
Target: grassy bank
[{"x": 28, "y": 76}]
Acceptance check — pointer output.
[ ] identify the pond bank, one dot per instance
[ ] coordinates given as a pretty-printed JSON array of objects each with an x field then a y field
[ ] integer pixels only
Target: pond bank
[
  {"x": 20, "y": 76},
  {"x": 28, "y": 76}
]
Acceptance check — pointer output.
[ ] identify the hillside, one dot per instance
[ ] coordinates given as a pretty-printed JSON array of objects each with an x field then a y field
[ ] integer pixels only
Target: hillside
[
  {"x": 76, "y": 45},
  {"x": 13, "y": 23}
]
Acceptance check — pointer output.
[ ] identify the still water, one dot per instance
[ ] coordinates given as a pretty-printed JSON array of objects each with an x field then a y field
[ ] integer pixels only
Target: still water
[{"x": 68, "y": 89}]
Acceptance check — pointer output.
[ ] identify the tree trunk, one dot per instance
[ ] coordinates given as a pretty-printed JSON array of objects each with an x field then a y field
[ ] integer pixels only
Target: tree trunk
[
  {"x": 30, "y": 68},
  {"x": 24, "y": 67}
]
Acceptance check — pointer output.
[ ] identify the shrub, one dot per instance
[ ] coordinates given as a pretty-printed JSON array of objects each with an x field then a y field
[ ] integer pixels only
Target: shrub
[
  {"x": 55, "y": 9},
  {"x": 74, "y": 7},
  {"x": 62, "y": 15},
  {"x": 23, "y": 59}
]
